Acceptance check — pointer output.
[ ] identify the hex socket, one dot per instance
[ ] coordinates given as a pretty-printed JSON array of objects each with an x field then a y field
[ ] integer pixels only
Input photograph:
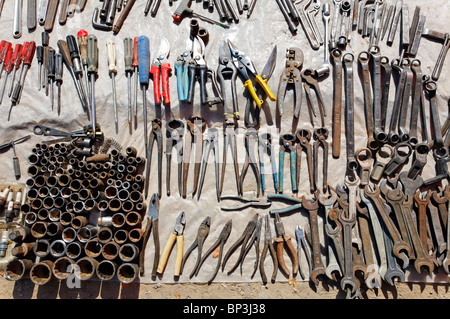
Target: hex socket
[
  {"x": 133, "y": 219},
  {"x": 74, "y": 250},
  {"x": 111, "y": 192},
  {"x": 41, "y": 273},
  {"x": 78, "y": 206},
  {"x": 104, "y": 221},
  {"x": 128, "y": 252},
  {"x": 118, "y": 220},
  {"x": 42, "y": 214},
  {"x": 41, "y": 248},
  {"x": 18, "y": 269},
  {"x": 22, "y": 250},
  {"x": 66, "y": 218},
  {"x": 39, "y": 229},
  {"x": 106, "y": 269},
  {"x": 58, "y": 248},
  {"x": 110, "y": 250},
  {"x": 103, "y": 205},
  {"x": 30, "y": 218},
  {"x": 93, "y": 248},
  {"x": 78, "y": 222},
  {"x": 87, "y": 267},
  {"x": 54, "y": 229},
  {"x": 121, "y": 236},
  {"x": 127, "y": 206},
  {"x": 33, "y": 159},
  {"x": 104, "y": 235},
  {"x": 63, "y": 268},
  {"x": 115, "y": 205},
  {"x": 52, "y": 181},
  {"x": 86, "y": 232},
  {"x": 69, "y": 234},
  {"x": 135, "y": 235},
  {"x": 127, "y": 273},
  {"x": 135, "y": 196}
]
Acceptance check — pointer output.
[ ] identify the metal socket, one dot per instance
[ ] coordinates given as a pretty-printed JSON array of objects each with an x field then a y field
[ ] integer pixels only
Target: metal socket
[
  {"x": 93, "y": 248},
  {"x": 127, "y": 273},
  {"x": 18, "y": 269},
  {"x": 63, "y": 267},
  {"x": 106, "y": 269},
  {"x": 87, "y": 267},
  {"x": 58, "y": 248},
  {"x": 41, "y": 273},
  {"x": 110, "y": 250},
  {"x": 41, "y": 248}
]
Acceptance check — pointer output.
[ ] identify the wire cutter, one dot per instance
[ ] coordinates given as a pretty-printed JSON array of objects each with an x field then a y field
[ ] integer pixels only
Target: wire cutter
[
  {"x": 320, "y": 136},
  {"x": 220, "y": 242},
  {"x": 226, "y": 71},
  {"x": 291, "y": 75},
  {"x": 296, "y": 203},
  {"x": 174, "y": 134},
  {"x": 287, "y": 143},
  {"x": 310, "y": 82},
  {"x": 176, "y": 235},
  {"x": 300, "y": 236},
  {"x": 196, "y": 127},
  {"x": 202, "y": 233},
  {"x": 281, "y": 241},
  {"x": 244, "y": 64},
  {"x": 152, "y": 223},
  {"x": 303, "y": 145},
  {"x": 254, "y": 241},
  {"x": 155, "y": 135},
  {"x": 268, "y": 245},
  {"x": 247, "y": 202},
  {"x": 250, "y": 138},
  {"x": 243, "y": 240},
  {"x": 160, "y": 69},
  {"x": 265, "y": 146},
  {"x": 212, "y": 143}
]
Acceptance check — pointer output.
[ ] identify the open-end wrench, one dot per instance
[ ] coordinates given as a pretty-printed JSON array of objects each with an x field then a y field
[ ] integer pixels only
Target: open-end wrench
[
  {"x": 393, "y": 270},
  {"x": 373, "y": 277},
  {"x": 446, "y": 262},
  {"x": 318, "y": 268},
  {"x": 422, "y": 201},
  {"x": 336, "y": 56},
  {"x": 401, "y": 249},
  {"x": 364, "y": 158},
  {"x": 378, "y": 233},
  {"x": 441, "y": 200},
  {"x": 335, "y": 234},
  {"x": 437, "y": 228}
]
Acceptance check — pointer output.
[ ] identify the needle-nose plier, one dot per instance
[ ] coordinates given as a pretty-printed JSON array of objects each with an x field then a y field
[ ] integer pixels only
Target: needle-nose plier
[
  {"x": 300, "y": 236},
  {"x": 268, "y": 245},
  {"x": 152, "y": 224},
  {"x": 202, "y": 233},
  {"x": 160, "y": 69},
  {"x": 220, "y": 242},
  {"x": 254, "y": 240},
  {"x": 176, "y": 235},
  {"x": 245, "y": 65}
]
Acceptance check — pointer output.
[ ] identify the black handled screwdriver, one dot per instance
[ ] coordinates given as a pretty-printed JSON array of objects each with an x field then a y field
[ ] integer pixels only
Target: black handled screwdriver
[{"x": 92, "y": 70}]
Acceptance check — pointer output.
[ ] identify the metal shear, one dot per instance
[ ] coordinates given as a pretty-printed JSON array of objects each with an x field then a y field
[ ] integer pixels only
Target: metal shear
[
  {"x": 202, "y": 233},
  {"x": 291, "y": 75},
  {"x": 250, "y": 138},
  {"x": 244, "y": 64},
  {"x": 160, "y": 68},
  {"x": 174, "y": 135},
  {"x": 155, "y": 134},
  {"x": 212, "y": 143}
]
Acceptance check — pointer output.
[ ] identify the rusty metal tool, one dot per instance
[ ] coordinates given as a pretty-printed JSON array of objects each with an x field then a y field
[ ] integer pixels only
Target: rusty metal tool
[
  {"x": 212, "y": 144},
  {"x": 291, "y": 75},
  {"x": 250, "y": 140},
  {"x": 382, "y": 158},
  {"x": 320, "y": 136},
  {"x": 335, "y": 234},
  {"x": 318, "y": 268},
  {"x": 229, "y": 135},
  {"x": 364, "y": 158},
  {"x": 254, "y": 241},
  {"x": 196, "y": 127},
  {"x": 123, "y": 15},
  {"x": 446, "y": 223},
  {"x": 178, "y": 236},
  {"x": 226, "y": 71},
  {"x": 283, "y": 241},
  {"x": 436, "y": 225},
  {"x": 430, "y": 93},
  {"x": 347, "y": 61},
  {"x": 268, "y": 246},
  {"x": 63, "y": 12},
  {"x": 402, "y": 152},
  {"x": 303, "y": 145},
  {"x": 287, "y": 143},
  {"x": 336, "y": 58},
  {"x": 51, "y": 15},
  {"x": 395, "y": 21},
  {"x": 422, "y": 200},
  {"x": 445, "y": 39},
  {"x": 174, "y": 137},
  {"x": 16, "y": 164},
  {"x": 265, "y": 146},
  {"x": 310, "y": 82},
  {"x": 242, "y": 240},
  {"x": 393, "y": 271},
  {"x": 152, "y": 225},
  {"x": 58, "y": 81},
  {"x": 247, "y": 202},
  {"x": 92, "y": 71},
  {"x": 301, "y": 242},
  {"x": 155, "y": 135},
  {"x": 202, "y": 233},
  {"x": 220, "y": 243},
  {"x": 31, "y": 14},
  {"x": 51, "y": 74}
]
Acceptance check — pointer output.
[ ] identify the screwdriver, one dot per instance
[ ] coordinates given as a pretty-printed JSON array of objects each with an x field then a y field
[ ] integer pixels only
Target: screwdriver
[
  {"x": 82, "y": 43},
  {"x": 136, "y": 71},
  {"x": 5, "y": 58},
  {"x": 8, "y": 69},
  {"x": 75, "y": 56},
  {"x": 144, "y": 71},
  {"x": 58, "y": 79},
  {"x": 5, "y": 47},
  {"x": 92, "y": 69},
  {"x": 40, "y": 59},
  {"x": 128, "y": 58},
  {"x": 64, "y": 50},
  {"x": 16, "y": 60},
  {"x": 30, "y": 50},
  {"x": 51, "y": 73},
  {"x": 45, "y": 42},
  {"x": 112, "y": 69}
]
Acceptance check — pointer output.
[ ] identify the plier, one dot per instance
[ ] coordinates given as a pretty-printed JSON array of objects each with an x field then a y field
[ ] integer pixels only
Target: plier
[
  {"x": 285, "y": 240},
  {"x": 152, "y": 223},
  {"x": 155, "y": 135},
  {"x": 287, "y": 144},
  {"x": 247, "y": 202},
  {"x": 160, "y": 69},
  {"x": 243, "y": 65},
  {"x": 202, "y": 233},
  {"x": 296, "y": 203},
  {"x": 254, "y": 241},
  {"x": 176, "y": 235},
  {"x": 265, "y": 146},
  {"x": 300, "y": 236},
  {"x": 212, "y": 143},
  {"x": 227, "y": 71},
  {"x": 174, "y": 134},
  {"x": 220, "y": 242},
  {"x": 250, "y": 139},
  {"x": 268, "y": 245}
]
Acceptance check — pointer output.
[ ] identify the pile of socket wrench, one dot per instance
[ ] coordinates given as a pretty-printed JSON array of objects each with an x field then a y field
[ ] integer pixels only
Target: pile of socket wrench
[{"x": 83, "y": 212}]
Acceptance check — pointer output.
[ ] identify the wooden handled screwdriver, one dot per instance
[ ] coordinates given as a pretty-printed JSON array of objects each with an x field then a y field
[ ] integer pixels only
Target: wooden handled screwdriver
[
  {"x": 128, "y": 59},
  {"x": 112, "y": 69}
]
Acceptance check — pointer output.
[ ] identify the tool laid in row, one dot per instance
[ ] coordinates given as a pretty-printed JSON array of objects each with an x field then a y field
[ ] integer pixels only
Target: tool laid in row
[{"x": 104, "y": 18}]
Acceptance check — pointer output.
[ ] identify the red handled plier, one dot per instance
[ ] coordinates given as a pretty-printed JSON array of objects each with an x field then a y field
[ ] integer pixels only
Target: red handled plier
[{"x": 161, "y": 67}]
